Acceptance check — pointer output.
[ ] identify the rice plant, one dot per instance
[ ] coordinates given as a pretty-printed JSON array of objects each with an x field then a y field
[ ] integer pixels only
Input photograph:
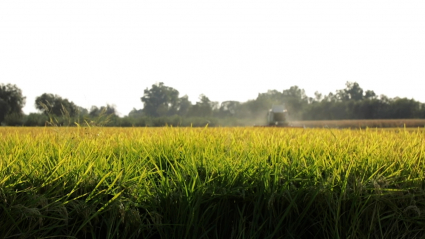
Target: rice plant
[{"x": 93, "y": 182}]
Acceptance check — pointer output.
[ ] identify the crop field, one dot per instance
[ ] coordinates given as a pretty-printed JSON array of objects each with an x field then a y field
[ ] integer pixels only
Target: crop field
[
  {"x": 89, "y": 182},
  {"x": 355, "y": 124}
]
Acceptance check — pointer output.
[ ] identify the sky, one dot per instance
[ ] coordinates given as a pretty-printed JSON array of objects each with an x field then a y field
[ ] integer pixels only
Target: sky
[{"x": 109, "y": 52}]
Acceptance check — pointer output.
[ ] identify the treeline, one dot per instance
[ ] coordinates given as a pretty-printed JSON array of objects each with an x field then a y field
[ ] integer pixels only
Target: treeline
[{"x": 162, "y": 105}]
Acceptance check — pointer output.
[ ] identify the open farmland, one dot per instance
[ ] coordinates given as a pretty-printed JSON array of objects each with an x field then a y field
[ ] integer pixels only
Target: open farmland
[
  {"x": 355, "y": 124},
  {"x": 211, "y": 183}
]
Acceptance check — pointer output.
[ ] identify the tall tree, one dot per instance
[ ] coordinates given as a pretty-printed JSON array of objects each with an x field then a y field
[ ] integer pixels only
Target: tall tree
[
  {"x": 370, "y": 95},
  {"x": 11, "y": 100},
  {"x": 264, "y": 102},
  {"x": 4, "y": 109},
  {"x": 103, "y": 110},
  {"x": 135, "y": 113},
  {"x": 56, "y": 105},
  {"x": 403, "y": 108},
  {"x": 353, "y": 91},
  {"x": 295, "y": 101},
  {"x": 183, "y": 105},
  {"x": 229, "y": 108},
  {"x": 203, "y": 108},
  {"x": 160, "y": 100}
]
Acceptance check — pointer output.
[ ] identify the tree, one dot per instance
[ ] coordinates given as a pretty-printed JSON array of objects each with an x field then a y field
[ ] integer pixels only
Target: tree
[
  {"x": 353, "y": 91},
  {"x": 134, "y": 113},
  {"x": 368, "y": 109},
  {"x": 295, "y": 101},
  {"x": 203, "y": 108},
  {"x": 104, "y": 110},
  {"x": 422, "y": 111},
  {"x": 4, "y": 109},
  {"x": 403, "y": 108},
  {"x": 11, "y": 101},
  {"x": 229, "y": 108},
  {"x": 264, "y": 102},
  {"x": 317, "y": 97},
  {"x": 370, "y": 95},
  {"x": 54, "y": 104},
  {"x": 160, "y": 100},
  {"x": 82, "y": 111},
  {"x": 184, "y": 106}
]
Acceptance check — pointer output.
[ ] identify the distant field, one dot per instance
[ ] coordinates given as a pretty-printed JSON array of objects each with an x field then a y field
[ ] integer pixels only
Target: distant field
[
  {"x": 211, "y": 183},
  {"x": 384, "y": 123}
]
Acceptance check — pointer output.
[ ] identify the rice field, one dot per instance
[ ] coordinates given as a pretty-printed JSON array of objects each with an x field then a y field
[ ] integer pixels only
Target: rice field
[{"x": 90, "y": 182}]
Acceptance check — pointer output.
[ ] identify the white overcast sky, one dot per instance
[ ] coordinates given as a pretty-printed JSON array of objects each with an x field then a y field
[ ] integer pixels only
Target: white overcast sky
[{"x": 108, "y": 52}]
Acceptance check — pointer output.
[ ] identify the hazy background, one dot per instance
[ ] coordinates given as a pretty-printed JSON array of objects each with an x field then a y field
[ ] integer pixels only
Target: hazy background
[{"x": 108, "y": 52}]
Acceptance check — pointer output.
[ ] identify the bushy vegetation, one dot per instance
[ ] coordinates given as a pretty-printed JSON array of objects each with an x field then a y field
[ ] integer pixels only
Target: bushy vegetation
[
  {"x": 89, "y": 182},
  {"x": 162, "y": 106}
]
